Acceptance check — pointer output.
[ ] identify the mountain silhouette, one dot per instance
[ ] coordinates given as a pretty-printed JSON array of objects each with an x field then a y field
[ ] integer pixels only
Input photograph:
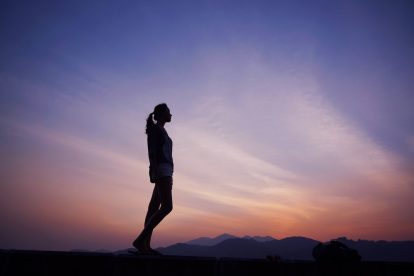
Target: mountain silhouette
[
  {"x": 259, "y": 238},
  {"x": 291, "y": 248},
  {"x": 211, "y": 241}
]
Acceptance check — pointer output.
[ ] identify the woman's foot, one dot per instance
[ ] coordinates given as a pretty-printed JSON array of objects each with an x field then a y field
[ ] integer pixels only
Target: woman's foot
[{"x": 140, "y": 245}]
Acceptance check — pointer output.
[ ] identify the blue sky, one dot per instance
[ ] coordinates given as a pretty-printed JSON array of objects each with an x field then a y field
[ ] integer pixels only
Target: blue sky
[{"x": 285, "y": 114}]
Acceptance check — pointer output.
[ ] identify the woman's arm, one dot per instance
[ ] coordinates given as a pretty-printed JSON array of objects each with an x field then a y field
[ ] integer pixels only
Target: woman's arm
[{"x": 154, "y": 146}]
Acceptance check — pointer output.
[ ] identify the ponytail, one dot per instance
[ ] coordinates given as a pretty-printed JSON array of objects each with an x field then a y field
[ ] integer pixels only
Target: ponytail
[{"x": 150, "y": 123}]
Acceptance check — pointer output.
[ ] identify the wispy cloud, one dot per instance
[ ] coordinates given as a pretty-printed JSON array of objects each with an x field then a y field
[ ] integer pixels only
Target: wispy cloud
[{"x": 322, "y": 163}]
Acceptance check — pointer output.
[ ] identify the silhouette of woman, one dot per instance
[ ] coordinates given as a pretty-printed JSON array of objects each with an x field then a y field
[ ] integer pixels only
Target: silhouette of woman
[{"x": 160, "y": 171}]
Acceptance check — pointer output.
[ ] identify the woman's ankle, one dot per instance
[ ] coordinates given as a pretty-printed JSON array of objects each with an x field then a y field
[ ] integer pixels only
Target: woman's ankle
[{"x": 139, "y": 241}]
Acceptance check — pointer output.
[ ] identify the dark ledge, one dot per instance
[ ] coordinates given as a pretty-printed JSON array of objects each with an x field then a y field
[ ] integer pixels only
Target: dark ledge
[{"x": 39, "y": 263}]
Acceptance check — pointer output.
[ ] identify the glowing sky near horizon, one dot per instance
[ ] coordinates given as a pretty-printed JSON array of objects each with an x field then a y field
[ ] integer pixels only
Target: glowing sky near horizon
[{"x": 290, "y": 118}]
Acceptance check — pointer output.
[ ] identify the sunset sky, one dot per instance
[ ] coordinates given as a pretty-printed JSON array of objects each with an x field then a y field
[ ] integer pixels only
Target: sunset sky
[{"x": 290, "y": 118}]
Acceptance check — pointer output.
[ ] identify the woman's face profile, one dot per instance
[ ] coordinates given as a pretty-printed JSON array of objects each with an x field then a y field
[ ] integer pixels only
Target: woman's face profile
[{"x": 167, "y": 115}]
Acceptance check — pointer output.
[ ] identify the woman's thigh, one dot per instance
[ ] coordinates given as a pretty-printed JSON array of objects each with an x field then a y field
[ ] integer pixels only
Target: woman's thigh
[
  {"x": 155, "y": 199},
  {"x": 164, "y": 188}
]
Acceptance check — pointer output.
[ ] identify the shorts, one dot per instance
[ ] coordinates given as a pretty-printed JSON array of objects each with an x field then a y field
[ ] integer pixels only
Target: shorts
[{"x": 162, "y": 170}]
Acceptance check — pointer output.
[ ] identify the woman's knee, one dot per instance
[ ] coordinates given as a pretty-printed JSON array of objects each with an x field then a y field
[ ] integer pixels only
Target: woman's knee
[
  {"x": 154, "y": 204},
  {"x": 152, "y": 208},
  {"x": 166, "y": 208}
]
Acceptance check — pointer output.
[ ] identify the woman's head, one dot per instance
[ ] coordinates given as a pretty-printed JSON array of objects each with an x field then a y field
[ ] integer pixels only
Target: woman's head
[{"x": 161, "y": 114}]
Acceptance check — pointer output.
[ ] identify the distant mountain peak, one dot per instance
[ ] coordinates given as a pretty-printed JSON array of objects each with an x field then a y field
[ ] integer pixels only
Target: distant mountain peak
[
  {"x": 206, "y": 241},
  {"x": 226, "y": 235},
  {"x": 259, "y": 238}
]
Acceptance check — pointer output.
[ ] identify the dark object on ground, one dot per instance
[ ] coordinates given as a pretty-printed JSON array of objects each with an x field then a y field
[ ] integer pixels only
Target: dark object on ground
[
  {"x": 274, "y": 258},
  {"x": 334, "y": 251}
]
